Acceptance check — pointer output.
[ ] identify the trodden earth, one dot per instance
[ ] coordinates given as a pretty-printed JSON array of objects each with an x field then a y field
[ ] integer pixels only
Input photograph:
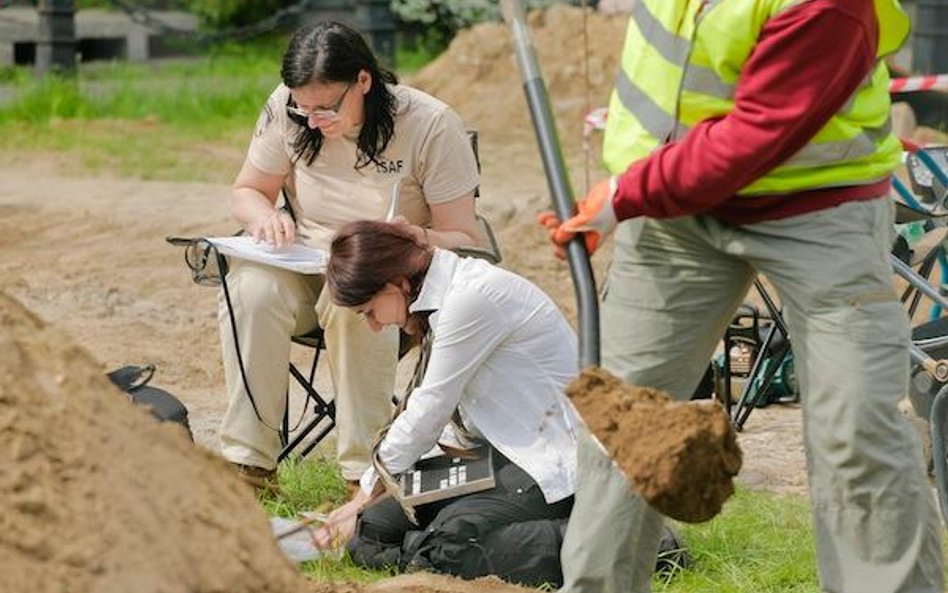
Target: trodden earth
[{"x": 98, "y": 495}]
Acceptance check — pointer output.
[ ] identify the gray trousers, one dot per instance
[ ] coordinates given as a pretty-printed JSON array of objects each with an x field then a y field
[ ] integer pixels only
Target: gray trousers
[{"x": 673, "y": 287}]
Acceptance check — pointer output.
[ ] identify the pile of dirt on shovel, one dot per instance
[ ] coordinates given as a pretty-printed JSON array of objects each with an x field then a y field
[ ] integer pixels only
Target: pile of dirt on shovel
[
  {"x": 679, "y": 456},
  {"x": 95, "y": 495}
]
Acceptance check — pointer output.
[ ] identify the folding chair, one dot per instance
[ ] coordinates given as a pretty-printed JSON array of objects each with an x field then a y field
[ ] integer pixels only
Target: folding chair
[{"x": 766, "y": 340}]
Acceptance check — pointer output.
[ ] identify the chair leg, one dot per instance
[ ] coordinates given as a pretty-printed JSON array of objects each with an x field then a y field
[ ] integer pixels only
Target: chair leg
[
  {"x": 748, "y": 400},
  {"x": 321, "y": 411}
]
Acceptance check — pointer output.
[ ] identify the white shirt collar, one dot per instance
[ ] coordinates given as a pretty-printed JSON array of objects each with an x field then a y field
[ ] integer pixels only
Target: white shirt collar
[{"x": 437, "y": 280}]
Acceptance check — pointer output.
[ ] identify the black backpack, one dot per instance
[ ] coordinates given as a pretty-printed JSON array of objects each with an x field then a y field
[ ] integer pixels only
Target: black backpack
[{"x": 133, "y": 380}]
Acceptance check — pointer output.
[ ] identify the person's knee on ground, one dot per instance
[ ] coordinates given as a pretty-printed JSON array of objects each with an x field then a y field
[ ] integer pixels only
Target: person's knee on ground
[{"x": 379, "y": 535}]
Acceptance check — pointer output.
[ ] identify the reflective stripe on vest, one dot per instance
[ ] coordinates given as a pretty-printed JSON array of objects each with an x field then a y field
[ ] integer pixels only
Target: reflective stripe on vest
[{"x": 656, "y": 121}]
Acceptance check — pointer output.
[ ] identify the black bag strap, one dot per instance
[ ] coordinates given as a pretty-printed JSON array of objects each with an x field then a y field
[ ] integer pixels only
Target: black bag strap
[{"x": 132, "y": 377}]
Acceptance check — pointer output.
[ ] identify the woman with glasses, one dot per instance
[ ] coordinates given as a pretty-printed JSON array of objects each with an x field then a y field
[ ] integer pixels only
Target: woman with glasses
[
  {"x": 338, "y": 138},
  {"x": 501, "y": 354}
]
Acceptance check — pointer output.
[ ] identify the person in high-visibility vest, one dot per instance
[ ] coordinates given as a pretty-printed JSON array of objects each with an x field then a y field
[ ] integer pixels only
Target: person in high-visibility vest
[{"x": 746, "y": 137}]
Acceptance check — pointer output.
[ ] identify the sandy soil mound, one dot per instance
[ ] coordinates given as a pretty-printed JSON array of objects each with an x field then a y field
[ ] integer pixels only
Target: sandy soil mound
[
  {"x": 97, "y": 496},
  {"x": 680, "y": 457},
  {"x": 478, "y": 74}
]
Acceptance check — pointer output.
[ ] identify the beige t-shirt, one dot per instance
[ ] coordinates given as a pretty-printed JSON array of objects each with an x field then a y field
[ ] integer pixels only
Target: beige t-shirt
[{"x": 430, "y": 151}]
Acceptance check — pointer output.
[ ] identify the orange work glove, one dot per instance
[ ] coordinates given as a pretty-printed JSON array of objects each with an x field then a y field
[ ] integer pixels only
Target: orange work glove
[{"x": 594, "y": 217}]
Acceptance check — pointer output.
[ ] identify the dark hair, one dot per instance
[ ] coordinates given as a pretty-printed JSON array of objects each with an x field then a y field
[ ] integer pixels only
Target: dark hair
[
  {"x": 366, "y": 255},
  {"x": 332, "y": 52}
]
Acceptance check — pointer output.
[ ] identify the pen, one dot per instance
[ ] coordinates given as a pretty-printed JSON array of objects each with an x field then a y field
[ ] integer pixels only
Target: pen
[{"x": 393, "y": 207}]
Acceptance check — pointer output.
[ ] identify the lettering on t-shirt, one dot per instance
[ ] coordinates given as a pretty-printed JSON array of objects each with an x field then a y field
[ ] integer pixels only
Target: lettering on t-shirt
[{"x": 387, "y": 166}]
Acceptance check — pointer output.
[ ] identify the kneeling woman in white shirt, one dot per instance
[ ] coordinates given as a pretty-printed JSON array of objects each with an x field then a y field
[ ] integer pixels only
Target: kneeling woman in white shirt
[{"x": 501, "y": 356}]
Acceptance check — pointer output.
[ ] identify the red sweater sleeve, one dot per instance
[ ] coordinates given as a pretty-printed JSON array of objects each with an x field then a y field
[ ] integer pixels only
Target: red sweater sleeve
[{"x": 808, "y": 62}]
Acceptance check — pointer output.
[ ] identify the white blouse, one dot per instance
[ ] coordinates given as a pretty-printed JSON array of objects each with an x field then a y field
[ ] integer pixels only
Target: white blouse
[{"x": 502, "y": 354}]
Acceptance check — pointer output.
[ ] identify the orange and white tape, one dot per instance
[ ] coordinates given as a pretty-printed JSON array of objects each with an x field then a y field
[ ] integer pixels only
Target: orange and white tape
[
  {"x": 918, "y": 83},
  {"x": 595, "y": 120}
]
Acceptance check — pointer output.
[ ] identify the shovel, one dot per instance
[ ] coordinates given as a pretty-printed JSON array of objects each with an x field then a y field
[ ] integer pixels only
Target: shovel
[{"x": 679, "y": 457}]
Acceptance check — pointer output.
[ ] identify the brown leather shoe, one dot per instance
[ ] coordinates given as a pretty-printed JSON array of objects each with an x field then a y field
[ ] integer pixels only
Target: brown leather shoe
[{"x": 261, "y": 480}]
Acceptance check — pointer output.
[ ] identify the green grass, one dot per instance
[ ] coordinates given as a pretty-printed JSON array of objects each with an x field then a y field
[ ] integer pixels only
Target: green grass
[
  {"x": 223, "y": 87},
  {"x": 411, "y": 59},
  {"x": 306, "y": 485},
  {"x": 182, "y": 120},
  {"x": 316, "y": 484},
  {"x": 179, "y": 120},
  {"x": 761, "y": 542}
]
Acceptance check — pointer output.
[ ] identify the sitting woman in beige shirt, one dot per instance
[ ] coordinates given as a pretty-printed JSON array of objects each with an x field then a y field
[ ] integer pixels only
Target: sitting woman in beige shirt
[{"x": 335, "y": 137}]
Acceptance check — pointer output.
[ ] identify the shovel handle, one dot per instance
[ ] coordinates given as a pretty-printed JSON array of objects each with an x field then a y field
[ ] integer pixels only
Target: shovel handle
[{"x": 584, "y": 283}]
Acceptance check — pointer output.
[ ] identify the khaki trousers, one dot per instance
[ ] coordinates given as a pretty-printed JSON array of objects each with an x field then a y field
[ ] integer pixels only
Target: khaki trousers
[
  {"x": 673, "y": 287},
  {"x": 270, "y": 306}
]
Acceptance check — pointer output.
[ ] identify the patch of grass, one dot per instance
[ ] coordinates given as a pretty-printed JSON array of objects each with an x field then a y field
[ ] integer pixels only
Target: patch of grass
[
  {"x": 412, "y": 58},
  {"x": 762, "y": 542},
  {"x": 341, "y": 570},
  {"x": 181, "y": 120},
  {"x": 316, "y": 485},
  {"x": 204, "y": 93},
  {"x": 178, "y": 120},
  {"x": 306, "y": 485}
]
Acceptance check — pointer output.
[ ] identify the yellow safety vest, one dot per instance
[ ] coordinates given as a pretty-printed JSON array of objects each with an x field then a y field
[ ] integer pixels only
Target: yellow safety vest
[{"x": 680, "y": 66}]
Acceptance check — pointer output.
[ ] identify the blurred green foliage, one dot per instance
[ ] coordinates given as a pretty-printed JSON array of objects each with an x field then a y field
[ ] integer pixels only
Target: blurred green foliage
[
  {"x": 435, "y": 22},
  {"x": 221, "y": 14}
]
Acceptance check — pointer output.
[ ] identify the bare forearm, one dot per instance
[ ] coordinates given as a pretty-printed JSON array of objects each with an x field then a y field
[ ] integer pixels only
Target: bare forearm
[
  {"x": 249, "y": 204},
  {"x": 261, "y": 219}
]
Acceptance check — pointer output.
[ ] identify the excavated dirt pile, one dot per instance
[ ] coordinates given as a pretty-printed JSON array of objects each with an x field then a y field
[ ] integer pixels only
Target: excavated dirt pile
[
  {"x": 97, "y": 496},
  {"x": 679, "y": 456},
  {"x": 478, "y": 74}
]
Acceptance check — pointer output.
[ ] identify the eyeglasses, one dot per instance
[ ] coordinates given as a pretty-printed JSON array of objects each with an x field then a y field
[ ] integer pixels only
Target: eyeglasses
[{"x": 332, "y": 111}]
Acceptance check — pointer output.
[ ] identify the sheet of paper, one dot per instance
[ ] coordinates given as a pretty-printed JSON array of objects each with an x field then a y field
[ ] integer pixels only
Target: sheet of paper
[
  {"x": 296, "y": 257},
  {"x": 299, "y": 546}
]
